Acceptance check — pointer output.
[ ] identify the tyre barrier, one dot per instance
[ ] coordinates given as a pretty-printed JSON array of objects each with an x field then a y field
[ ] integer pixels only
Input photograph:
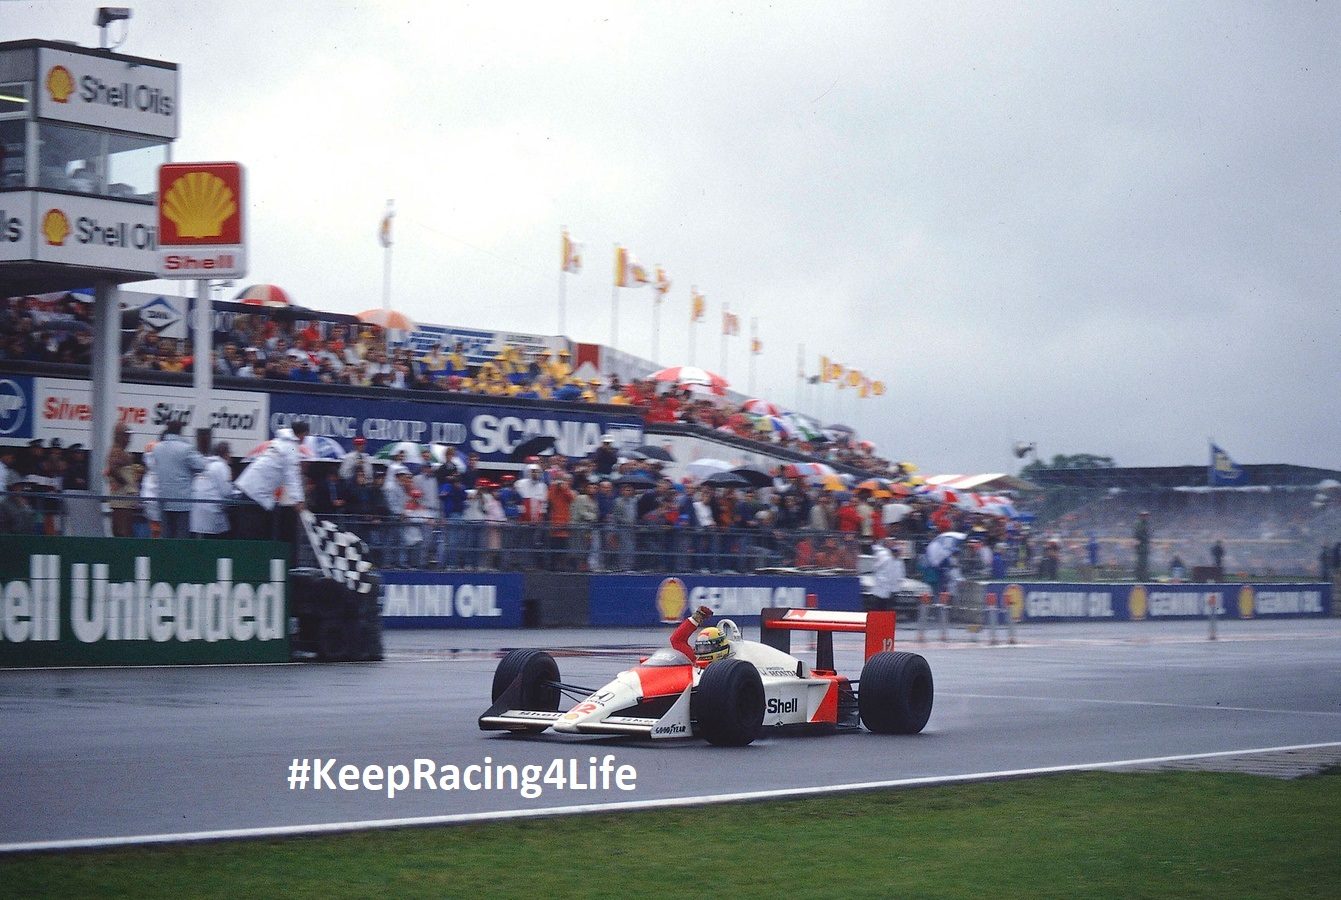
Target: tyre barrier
[{"x": 328, "y": 622}]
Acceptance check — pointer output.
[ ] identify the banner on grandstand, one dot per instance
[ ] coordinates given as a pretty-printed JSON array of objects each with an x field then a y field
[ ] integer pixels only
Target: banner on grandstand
[
  {"x": 451, "y": 600},
  {"x": 480, "y": 346},
  {"x": 656, "y": 599},
  {"x": 492, "y": 430},
  {"x": 1060, "y": 602},
  {"x": 122, "y": 601},
  {"x": 61, "y": 408},
  {"x": 1223, "y": 471}
]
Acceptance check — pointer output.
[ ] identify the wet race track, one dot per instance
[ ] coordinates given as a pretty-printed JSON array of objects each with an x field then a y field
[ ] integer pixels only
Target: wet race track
[{"x": 179, "y": 751}]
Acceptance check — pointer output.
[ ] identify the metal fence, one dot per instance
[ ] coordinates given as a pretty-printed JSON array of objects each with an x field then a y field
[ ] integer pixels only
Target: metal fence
[{"x": 461, "y": 544}]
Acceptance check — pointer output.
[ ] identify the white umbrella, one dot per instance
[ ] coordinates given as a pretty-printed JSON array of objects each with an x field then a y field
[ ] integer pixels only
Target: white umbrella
[
  {"x": 895, "y": 512},
  {"x": 943, "y": 546},
  {"x": 702, "y": 468}
]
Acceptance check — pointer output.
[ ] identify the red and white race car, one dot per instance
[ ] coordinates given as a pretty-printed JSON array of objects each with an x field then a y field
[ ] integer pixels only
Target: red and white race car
[{"x": 731, "y": 701}]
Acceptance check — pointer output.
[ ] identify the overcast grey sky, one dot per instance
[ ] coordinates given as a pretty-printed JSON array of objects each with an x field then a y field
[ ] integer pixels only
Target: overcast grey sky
[{"x": 1105, "y": 229}]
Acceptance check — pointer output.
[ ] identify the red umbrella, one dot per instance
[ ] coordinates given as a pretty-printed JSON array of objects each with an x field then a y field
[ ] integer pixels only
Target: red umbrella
[
  {"x": 762, "y": 407},
  {"x": 692, "y": 375},
  {"x": 388, "y": 318},
  {"x": 264, "y": 295}
]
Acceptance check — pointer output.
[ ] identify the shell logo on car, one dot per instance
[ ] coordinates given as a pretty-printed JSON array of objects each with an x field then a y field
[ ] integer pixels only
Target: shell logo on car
[
  {"x": 55, "y": 227},
  {"x": 671, "y": 600},
  {"x": 60, "y": 84}
]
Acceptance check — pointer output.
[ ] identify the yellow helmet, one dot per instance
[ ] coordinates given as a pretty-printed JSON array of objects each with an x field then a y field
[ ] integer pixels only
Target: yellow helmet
[{"x": 711, "y": 644}]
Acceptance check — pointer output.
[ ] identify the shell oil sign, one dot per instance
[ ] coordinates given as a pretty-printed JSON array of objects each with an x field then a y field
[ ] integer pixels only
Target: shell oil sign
[{"x": 201, "y": 220}]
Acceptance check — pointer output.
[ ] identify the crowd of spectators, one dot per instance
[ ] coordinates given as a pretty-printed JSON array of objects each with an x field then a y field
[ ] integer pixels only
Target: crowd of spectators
[
  {"x": 607, "y": 513},
  {"x": 53, "y": 328},
  {"x": 1280, "y": 532},
  {"x": 56, "y": 328}
]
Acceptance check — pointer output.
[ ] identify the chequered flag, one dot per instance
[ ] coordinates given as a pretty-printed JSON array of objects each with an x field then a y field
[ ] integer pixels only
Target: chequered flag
[{"x": 342, "y": 555}]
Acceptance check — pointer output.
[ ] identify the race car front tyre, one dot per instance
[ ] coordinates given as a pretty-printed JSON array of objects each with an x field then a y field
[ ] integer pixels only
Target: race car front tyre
[
  {"x": 539, "y": 674},
  {"x": 896, "y": 693},
  {"x": 728, "y": 703}
]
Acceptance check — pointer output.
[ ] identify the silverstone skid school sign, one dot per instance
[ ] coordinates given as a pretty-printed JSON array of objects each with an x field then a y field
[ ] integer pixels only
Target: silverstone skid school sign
[
  {"x": 119, "y": 601},
  {"x": 47, "y": 408}
]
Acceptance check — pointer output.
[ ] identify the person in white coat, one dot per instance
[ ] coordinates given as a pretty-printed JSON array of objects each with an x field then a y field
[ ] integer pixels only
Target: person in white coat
[
  {"x": 888, "y": 574},
  {"x": 276, "y": 471},
  {"x": 210, "y": 520}
]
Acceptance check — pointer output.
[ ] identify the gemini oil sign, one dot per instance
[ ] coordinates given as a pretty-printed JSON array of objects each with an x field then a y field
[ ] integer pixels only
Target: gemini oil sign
[{"x": 113, "y": 601}]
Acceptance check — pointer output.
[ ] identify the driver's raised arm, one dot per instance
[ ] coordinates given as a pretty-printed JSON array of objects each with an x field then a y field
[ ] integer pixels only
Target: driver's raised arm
[{"x": 679, "y": 638}]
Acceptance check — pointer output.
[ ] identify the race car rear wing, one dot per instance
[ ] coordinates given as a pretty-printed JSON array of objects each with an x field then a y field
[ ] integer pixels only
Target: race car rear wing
[{"x": 776, "y": 627}]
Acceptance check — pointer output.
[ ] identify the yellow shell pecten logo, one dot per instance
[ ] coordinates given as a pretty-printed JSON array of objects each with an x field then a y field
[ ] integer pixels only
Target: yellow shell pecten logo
[
  {"x": 1138, "y": 603},
  {"x": 60, "y": 84},
  {"x": 1013, "y": 599},
  {"x": 55, "y": 227},
  {"x": 199, "y": 203},
  {"x": 1247, "y": 602},
  {"x": 671, "y": 600}
]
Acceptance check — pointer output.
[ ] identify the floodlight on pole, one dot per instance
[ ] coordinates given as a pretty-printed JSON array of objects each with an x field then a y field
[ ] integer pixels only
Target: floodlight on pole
[{"x": 106, "y": 16}]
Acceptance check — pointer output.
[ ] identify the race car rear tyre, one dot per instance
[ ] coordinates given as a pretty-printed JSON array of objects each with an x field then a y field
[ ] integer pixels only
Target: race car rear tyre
[
  {"x": 896, "y": 693},
  {"x": 539, "y": 674},
  {"x": 728, "y": 703}
]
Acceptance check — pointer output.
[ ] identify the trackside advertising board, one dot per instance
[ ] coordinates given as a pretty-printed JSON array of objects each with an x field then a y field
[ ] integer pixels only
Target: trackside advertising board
[
  {"x": 658, "y": 599},
  {"x": 119, "y": 601},
  {"x": 1060, "y": 602},
  {"x": 451, "y": 600},
  {"x": 491, "y": 431}
]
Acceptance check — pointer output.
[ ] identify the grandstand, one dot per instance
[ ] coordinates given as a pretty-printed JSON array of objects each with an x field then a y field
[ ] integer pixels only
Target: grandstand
[{"x": 1281, "y": 522}]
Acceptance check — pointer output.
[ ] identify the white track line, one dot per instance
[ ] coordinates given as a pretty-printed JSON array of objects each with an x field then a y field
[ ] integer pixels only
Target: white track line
[
  {"x": 1215, "y": 707},
  {"x": 628, "y": 806}
]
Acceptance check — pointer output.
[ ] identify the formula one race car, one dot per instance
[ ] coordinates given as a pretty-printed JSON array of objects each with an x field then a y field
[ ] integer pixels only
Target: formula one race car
[{"x": 728, "y": 702}]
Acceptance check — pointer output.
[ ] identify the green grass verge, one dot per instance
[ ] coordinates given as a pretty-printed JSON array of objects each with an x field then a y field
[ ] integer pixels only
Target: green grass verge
[{"x": 1086, "y": 835}]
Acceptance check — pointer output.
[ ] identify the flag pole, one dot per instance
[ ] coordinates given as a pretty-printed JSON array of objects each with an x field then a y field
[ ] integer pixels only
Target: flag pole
[
  {"x": 725, "y": 307},
  {"x": 614, "y": 304},
  {"x": 386, "y": 254},
  {"x": 563, "y": 290},
  {"x": 754, "y": 336},
  {"x": 656, "y": 326},
  {"x": 693, "y": 332},
  {"x": 800, "y": 372}
]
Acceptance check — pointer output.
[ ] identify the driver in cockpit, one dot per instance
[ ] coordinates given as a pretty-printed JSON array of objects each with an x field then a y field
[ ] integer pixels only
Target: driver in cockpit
[{"x": 711, "y": 644}]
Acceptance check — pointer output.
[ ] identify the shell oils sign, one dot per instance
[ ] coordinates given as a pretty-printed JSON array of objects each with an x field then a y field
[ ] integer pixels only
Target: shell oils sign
[{"x": 200, "y": 220}]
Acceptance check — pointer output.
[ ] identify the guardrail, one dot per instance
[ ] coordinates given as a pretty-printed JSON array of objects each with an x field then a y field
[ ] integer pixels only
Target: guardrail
[{"x": 473, "y": 545}]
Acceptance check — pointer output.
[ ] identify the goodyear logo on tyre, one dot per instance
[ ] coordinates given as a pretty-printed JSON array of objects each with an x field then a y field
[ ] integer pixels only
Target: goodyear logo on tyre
[{"x": 672, "y": 598}]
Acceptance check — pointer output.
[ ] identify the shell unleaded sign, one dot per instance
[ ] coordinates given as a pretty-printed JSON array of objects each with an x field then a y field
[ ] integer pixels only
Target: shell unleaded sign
[{"x": 200, "y": 221}]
